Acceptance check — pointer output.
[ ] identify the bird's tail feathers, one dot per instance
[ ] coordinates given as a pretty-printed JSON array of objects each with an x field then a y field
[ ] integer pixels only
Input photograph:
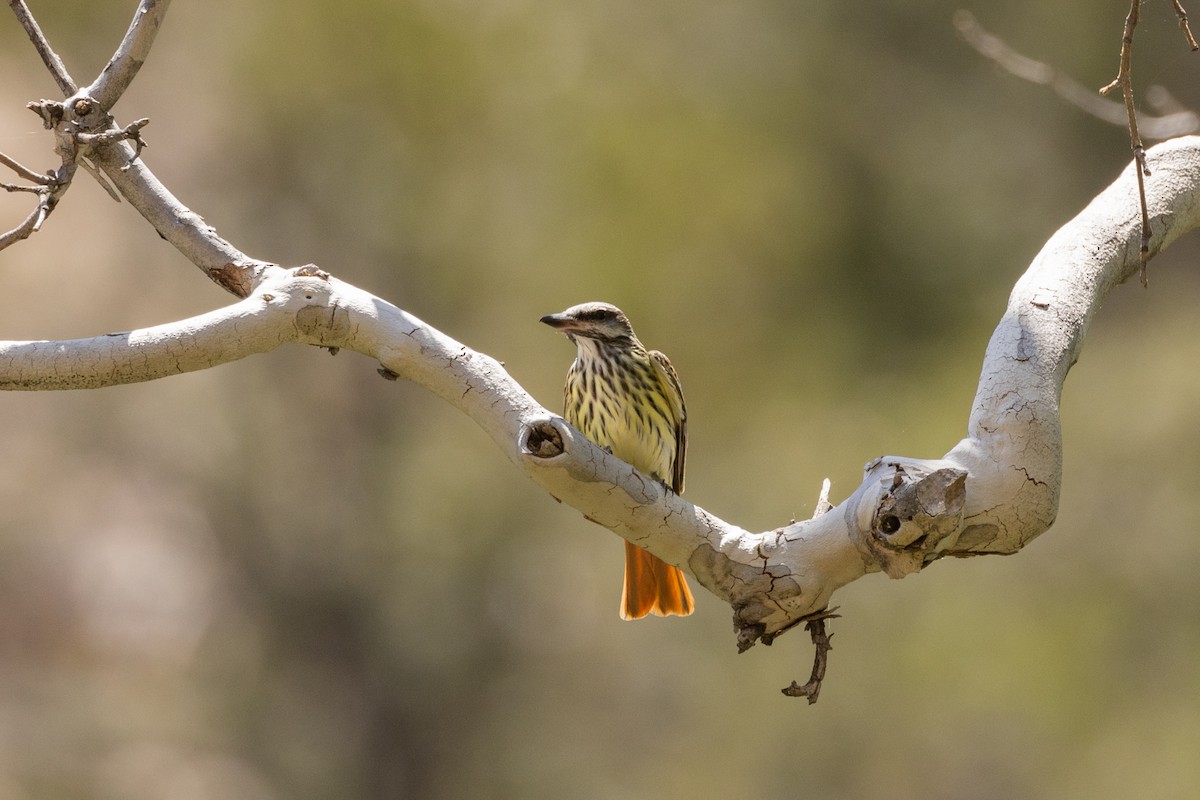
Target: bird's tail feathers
[{"x": 652, "y": 586}]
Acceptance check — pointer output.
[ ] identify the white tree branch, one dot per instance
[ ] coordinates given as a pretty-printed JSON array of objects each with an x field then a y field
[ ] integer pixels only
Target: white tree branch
[{"x": 992, "y": 493}]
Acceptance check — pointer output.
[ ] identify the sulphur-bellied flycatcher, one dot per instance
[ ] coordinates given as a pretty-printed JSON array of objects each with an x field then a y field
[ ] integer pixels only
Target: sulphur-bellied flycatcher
[{"x": 627, "y": 399}]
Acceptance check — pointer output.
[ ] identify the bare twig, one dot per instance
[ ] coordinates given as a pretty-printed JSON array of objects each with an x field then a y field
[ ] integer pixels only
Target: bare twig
[
  {"x": 1178, "y": 122},
  {"x": 815, "y": 625},
  {"x": 131, "y": 132},
  {"x": 25, "y": 172},
  {"x": 48, "y": 187},
  {"x": 121, "y": 69},
  {"x": 48, "y": 197},
  {"x": 1183, "y": 25},
  {"x": 823, "y": 504},
  {"x": 90, "y": 167},
  {"x": 24, "y": 230},
  {"x": 1124, "y": 81},
  {"x": 49, "y": 57},
  {"x": 82, "y": 123}
]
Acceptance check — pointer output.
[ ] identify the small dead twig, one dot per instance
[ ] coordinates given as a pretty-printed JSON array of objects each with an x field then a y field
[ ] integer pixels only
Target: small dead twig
[
  {"x": 815, "y": 625},
  {"x": 823, "y": 504},
  {"x": 47, "y": 199},
  {"x": 25, "y": 229},
  {"x": 77, "y": 121},
  {"x": 131, "y": 132},
  {"x": 46, "y": 187},
  {"x": 51, "y": 186},
  {"x": 1125, "y": 82},
  {"x": 25, "y": 172},
  {"x": 53, "y": 63},
  {"x": 1183, "y": 25},
  {"x": 49, "y": 189},
  {"x": 73, "y": 149},
  {"x": 12, "y": 187}
]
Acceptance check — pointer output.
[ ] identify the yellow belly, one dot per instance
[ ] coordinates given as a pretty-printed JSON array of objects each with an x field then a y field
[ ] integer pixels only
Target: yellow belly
[{"x": 645, "y": 440}]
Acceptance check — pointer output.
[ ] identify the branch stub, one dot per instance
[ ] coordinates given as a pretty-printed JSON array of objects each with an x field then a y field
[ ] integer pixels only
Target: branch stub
[
  {"x": 541, "y": 439},
  {"x": 919, "y": 505}
]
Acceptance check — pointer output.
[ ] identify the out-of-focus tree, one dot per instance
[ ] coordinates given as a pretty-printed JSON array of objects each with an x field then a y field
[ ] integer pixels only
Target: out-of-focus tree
[{"x": 233, "y": 582}]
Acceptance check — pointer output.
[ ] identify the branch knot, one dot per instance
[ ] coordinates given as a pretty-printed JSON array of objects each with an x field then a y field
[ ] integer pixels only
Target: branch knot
[
  {"x": 920, "y": 504},
  {"x": 541, "y": 439}
]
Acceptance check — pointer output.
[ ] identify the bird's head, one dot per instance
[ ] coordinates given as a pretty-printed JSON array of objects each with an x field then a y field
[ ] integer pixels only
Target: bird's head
[{"x": 602, "y": 322}]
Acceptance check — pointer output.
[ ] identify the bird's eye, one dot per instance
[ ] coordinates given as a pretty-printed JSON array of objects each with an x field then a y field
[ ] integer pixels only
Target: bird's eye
[{"x": 597, "y": 315}]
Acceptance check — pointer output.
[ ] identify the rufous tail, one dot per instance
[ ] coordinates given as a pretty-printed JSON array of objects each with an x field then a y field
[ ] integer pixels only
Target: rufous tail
[{"x": 652, "y": 586}]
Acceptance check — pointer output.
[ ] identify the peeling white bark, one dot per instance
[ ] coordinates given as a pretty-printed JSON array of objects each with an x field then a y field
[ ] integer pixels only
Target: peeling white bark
[{"x": 992, "y": 493}]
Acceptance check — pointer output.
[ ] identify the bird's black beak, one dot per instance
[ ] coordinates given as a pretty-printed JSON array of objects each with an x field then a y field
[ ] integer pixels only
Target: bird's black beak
[{"x": 558, "y": 321}]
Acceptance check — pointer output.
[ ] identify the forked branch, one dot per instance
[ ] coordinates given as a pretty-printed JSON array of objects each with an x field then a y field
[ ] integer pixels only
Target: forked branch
[
  {"x": 48, "y": 189},
  {"x": 86, "y": 135}
]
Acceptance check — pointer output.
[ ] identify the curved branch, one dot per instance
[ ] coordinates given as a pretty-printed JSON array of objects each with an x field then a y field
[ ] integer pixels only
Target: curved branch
[
  {"x": 310, "y": 307},
  {"x": 1014, "y": 433},
  {"x": 992, "y": 493}
]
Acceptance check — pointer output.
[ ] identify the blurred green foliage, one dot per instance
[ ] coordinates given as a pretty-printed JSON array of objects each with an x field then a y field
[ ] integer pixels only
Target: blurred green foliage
[{"x": 286, "y": 578}]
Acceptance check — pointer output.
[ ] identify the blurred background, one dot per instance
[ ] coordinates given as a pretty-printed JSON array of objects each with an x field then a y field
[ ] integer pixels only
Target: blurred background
[{"x": 287, "y": 578}]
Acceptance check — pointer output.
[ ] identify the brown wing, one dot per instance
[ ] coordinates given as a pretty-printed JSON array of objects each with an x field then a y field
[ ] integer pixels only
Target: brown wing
[{"x": 674, "y": 393}]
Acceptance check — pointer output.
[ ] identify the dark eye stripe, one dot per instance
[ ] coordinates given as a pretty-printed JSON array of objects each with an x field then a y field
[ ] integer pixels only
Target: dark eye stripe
[{"x": 596, "y": 315}]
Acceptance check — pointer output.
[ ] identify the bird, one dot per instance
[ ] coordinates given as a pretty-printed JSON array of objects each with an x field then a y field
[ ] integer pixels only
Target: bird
[{"x": 628, "y": 400}]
